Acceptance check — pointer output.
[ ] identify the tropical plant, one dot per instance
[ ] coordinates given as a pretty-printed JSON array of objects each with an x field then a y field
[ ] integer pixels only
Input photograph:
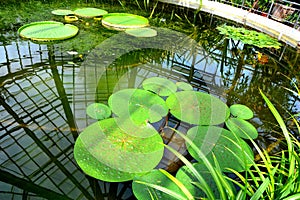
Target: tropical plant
[{"x": 127, "y": 146}]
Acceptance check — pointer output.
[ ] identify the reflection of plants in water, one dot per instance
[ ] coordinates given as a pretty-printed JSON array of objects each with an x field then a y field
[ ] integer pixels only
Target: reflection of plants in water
[{"x": 128, "y": 145}]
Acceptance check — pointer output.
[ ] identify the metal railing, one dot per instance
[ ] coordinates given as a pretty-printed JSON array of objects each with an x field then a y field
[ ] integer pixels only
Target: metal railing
[{"x": 284, "y": 11}]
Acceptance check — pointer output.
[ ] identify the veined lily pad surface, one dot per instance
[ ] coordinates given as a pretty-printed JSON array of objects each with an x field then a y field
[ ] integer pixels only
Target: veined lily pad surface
[
  {"x": 47, "y": 31},
  {"x": 138, "y": 105},
  {"x": 141, "y": 32},
  {"x": 62, "y": 12},
  {"x": 104, "y": 147},
  {"x": 197, "y": 108},
  {"x": 160, "y": 86},
  {"x": 230, "y": 150},
  {"x": 98, "y": 111},
  {"x": 241, "y": 128},
  {"x": 122, "y": 21},
  {"x": 90, "y": 12}
]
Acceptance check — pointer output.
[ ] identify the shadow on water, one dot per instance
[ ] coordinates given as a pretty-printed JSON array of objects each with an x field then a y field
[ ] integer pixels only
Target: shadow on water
[{"x": 45, "y": 91}]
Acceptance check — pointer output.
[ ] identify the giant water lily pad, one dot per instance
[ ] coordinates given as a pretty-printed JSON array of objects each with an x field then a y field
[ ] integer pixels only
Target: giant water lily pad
[
  {"x": 122, "y": 21},
  {"x": 98, "y": 111},
  {"x": 156, "y": 177},
  {"x": 160, "y": 86},
  {"x": 184, "y": 86},
  {"x": 89, "y": 12},
  {"x": 62, "y": 12},
  {"x": 229, "y": 150},
  {"x": 241, "y": 128},
  {"x": 103, "y": 146},
  {"x": 197, "y": 108},
  {"x": 138, "y": 105},
  {"x": 241, "y": 111},
  {"x": 47, "y": 31},
  {"x": 141, "y": 32}
]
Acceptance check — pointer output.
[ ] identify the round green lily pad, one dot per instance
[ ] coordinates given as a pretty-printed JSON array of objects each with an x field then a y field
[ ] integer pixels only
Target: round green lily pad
[
  {"x": 138, "y": 105},
  {"x": 197, "y": 108},
  {"x": 241, "y": 128},
  {"x": 103, "y": 146},
  {"x": 122, "y": 21},
  {"x": 184, "y": 86},
  {"x": 47, "y": 31},
  {"x": 98, "y": 111},
  {"x": 229, "y": 150},
  {"x": 141, "y": 32},
  {"x": 62, "y": 12},
  {"x": 156, "y": 177},
  {"x": 241, "y": 111},
  {"x": 90, "y": 12},
  {"x": 160, "y": 86}
]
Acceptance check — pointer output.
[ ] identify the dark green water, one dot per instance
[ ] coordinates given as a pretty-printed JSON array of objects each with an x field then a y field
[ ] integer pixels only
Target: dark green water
[{"x": 45, "y": 89}]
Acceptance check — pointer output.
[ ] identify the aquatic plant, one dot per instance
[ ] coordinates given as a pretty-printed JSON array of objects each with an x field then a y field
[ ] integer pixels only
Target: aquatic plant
[
  {"x": 128, "y": 147},
  {"x": 250, "y": 37}
]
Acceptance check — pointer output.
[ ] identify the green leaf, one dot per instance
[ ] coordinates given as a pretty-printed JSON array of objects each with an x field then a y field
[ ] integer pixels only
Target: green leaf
[
  {"x": 122, "y": 21},
  {"x": 62, "y": 12},
  {"x": 47, "y": 31},
  {"x": 160, "y": 86},
  {"x": 184, "y": 86},
  {"x": 197, "y": 108},
  {"x": 241, "y": 128},
  {"x": 98, "y": 111},
  {"x": 141, "y": 32},
  {"x": 158, "y": 184},
  {"x": 229, "y": 150},
  {"x": 241, "y": 111},
  {"x": 90, "y": 12},
  {"x": 138, "y": 105},
  {"x": 107, "y": 152}
]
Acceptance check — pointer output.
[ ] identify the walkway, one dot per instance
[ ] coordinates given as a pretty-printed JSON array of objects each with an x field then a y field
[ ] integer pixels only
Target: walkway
[{"x": 275, "y": 29}]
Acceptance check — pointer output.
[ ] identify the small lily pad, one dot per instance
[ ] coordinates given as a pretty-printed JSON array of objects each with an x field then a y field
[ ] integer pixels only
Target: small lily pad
[
  {"x": 241, "y": 128},
  {"x": 197, "y": 108},
  {"x": 184, "y": 86},
  {"x": 104, "y": 146},
  {"x": 160, "y": 86},
  {"x": 141, "y": 32},
  {"x": 241, "y": 111},
  {"x": 62, "y": 12},
  {"x": 138, "y": 105},
  {"x": 156, "y": 177},
  {"x": 90, "y": 12},
  {"x": 230, "y": 150},
  {"x": 98, "y": 111},
  {"x": 122, "y": 21}
]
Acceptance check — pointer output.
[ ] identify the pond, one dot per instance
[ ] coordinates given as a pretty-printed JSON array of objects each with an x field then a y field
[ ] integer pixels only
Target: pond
[{"x": 47, "y": 87}]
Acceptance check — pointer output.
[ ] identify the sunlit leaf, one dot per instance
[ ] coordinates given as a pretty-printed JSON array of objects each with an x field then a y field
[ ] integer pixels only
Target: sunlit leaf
[
  {"x": 98, "y": 111},
  {"x": 241, "y": 128},
  {"x": 160, "y": 86},
  {"x": 241, "y": 111}
]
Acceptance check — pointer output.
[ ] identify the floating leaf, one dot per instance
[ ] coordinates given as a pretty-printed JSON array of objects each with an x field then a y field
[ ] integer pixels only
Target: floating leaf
[
  {"x": 62, "y": 12},
  {"x": 98, "y": 111},
  {"x": 104, "y": 147},
  {"x": 241, "y": 128},
  {"x": 47, "y": 31},
  {"x": 122, "y": 21},
  {"x": 241, "y": 111},
  {"x": 229, "y": 150},
  {"x": 90, "y": 12},
  {"x": 197, "y": 108},
  {"x": 138, "y": 105},
  {"x": 160, "y": 86},
  {"x": 184, "y": 86},
  {"x": 141, "y": 32},
  {"x": 155, "y": 177},
  {"x": 187, "y": 177}
]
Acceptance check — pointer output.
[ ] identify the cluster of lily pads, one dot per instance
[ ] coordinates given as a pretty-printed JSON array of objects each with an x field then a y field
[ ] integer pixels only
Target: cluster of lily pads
[
  {"x": 123, "y": 144},
  {"x": 250, "y": 37},
  {"x": 51, "y": 30}
]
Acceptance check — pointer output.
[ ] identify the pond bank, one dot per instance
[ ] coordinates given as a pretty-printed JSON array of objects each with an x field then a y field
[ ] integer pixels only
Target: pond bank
[{"x": 271, "y": 27}]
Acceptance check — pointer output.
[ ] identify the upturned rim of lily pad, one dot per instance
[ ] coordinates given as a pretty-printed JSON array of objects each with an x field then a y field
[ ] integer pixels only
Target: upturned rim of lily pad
[
  {"x": 62, "y": 12},
  {"x": 141, "y": 32},
  {"x": 90, "y": 12}
]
